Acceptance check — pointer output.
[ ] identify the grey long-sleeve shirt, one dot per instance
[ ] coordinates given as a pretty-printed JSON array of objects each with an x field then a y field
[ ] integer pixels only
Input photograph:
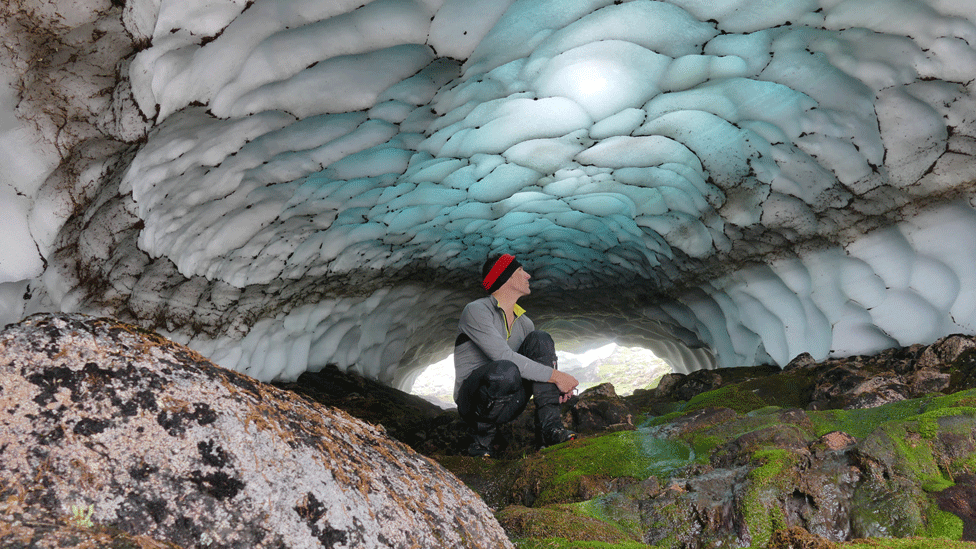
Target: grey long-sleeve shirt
[{"x": 483, "y": 338}]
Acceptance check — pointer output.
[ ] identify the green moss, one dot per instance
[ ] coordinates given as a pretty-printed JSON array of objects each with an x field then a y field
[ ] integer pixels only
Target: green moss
[
  {"x": 860, "y": 423},
  {"x": 928, "y": 427},
  {"x": 560, "y": 470},
  {"x": 934, "y": 411},
  {"x": 654, "y": 421},
  {"x": 913, "y": 457},
  {"x": 619, "y": 454},
  {"x": 673, "y": 520},
  {"x": 902, "y": 438},
  {"x": 710, "y": 442},
  {"x": 731, "y": 396},
  {"x": 775, "y": 462},
  {"x": 942, "y": 524},
  {"x": 763, "y": 514},
  {"x": 785, "y": 390},
  {"x": 704, "y": 446},
  {"x": 608, "y": 509}
]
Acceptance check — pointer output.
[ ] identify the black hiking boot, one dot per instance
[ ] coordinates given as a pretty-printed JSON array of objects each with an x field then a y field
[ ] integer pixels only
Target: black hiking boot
[
  {"x": 549, "y": 427},
  {"x": 556, "y": 436},
  {"x": 483, "y": 438}
]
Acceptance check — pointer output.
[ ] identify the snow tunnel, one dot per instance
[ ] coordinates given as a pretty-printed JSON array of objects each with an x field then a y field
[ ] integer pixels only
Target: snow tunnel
[{"x": 284, "y": 185}]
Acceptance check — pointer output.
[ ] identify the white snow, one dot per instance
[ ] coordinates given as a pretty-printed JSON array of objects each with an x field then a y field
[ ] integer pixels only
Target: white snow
[{"x": 604, "y": 142}]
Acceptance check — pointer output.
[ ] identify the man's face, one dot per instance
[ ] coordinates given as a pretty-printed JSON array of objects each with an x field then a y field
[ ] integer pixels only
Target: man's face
[{"x": 520, "y": 281}]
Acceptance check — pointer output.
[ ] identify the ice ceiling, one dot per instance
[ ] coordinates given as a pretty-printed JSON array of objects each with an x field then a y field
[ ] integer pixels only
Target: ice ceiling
[{"x": 286, "y": 184}]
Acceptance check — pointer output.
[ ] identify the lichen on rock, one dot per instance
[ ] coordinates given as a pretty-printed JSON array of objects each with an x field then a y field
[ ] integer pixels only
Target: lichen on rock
[{"x": 158, "y": 441}]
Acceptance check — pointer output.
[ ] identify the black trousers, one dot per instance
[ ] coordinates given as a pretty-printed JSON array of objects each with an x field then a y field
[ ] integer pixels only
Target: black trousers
[{"x": 496, "y": 393}]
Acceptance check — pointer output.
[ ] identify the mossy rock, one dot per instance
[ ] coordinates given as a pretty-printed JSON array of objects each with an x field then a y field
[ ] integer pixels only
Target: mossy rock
[
  {"x": 775, "y": 475},
  {"x": 786, "y": 390},
  {"x": 568, "y": 472},
  {"x": 861, "y": 423},
  {"x": 930, "y": 446},
  {"x": 739, "y": 451},
  {"x": 559, "y": 521},
  {"x": 719, "y": 437},
  {"x": 908, "y": 461},
  {"x": 732, "y": 396}
]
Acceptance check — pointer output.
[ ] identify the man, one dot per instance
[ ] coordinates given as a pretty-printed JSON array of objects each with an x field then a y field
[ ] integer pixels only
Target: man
[{"x": 500, "y": 360}]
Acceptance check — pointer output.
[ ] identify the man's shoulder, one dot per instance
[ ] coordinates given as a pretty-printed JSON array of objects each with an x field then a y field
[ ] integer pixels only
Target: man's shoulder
[
  {"x": 484, "y": 302},
  {"x": 478, "y": 311}
]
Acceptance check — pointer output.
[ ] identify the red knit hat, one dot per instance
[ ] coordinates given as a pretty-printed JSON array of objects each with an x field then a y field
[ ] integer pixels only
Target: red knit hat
[{"x": 497, "y": 270}]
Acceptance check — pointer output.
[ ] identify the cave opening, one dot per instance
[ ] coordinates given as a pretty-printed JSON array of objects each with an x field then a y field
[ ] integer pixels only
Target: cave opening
[{"x": 627, "y": 368}]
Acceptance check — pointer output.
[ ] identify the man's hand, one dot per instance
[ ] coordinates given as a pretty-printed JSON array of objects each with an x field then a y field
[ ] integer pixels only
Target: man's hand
[{"x": 565, "y": 383}]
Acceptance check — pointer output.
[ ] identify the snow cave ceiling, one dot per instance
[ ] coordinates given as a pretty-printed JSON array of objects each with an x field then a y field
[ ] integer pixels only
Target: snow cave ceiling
[{"x": 287, "y": 184}]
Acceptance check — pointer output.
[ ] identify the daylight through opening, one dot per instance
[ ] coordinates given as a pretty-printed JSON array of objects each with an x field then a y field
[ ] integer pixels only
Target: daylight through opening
[{"x": 627, "y": 368}]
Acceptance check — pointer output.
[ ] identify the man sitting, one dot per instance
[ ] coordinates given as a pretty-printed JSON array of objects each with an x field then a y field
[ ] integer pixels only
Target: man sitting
[{"x": 500, "y": 359}]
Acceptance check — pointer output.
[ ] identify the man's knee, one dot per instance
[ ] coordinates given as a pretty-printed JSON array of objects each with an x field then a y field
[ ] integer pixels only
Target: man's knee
[
  {"x": 503, "y": 378},
  {"x": 539, "y": 346}
]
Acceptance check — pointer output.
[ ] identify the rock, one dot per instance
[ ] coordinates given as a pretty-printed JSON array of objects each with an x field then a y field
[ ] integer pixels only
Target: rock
[
  {"x": 836, "y": 380},
  {"x": 802, "y": 360},
  {"x": 876, "y": 391},
  {"x": 945, "y": 351},
  {"x": 928, "y": 380},
  {"x": 834, "y": 441},
  {"x": 962, "y": 371},
  {"x": 423, "y": 426},
  {"x": 739, "y": 451},
  {"x": 600, "y": 409},
  {"x": 698, "y": 511},
  {"x": 157, "y": 441},
  {"x": 687, "y": 386}
]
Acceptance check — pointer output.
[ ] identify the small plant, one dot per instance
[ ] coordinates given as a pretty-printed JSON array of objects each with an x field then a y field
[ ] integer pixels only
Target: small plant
[{"x": 81, "y": 516}]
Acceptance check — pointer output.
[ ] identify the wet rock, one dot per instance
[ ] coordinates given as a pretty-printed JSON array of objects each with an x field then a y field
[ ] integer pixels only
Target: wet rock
[
  {"x": 822, "y": 497},
  {"x": 157, "y": 441},
  {"x": 698, "y": 511}
]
